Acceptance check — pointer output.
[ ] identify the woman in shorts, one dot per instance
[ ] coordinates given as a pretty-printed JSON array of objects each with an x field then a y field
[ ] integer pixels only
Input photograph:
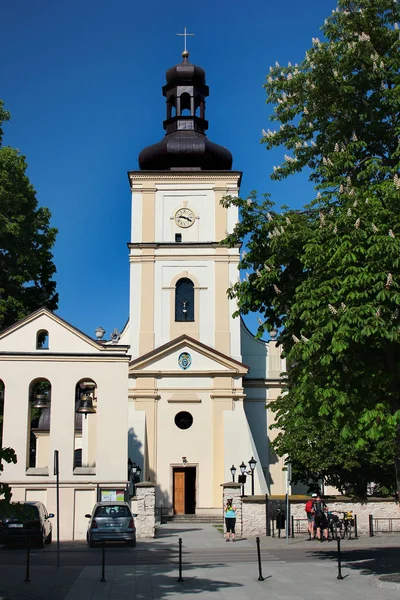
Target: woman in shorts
[{"x": 230, "y": 520}]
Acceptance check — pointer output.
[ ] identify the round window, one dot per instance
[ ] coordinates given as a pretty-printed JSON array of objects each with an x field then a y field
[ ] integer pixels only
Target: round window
[{"x": 183, "y": 420}]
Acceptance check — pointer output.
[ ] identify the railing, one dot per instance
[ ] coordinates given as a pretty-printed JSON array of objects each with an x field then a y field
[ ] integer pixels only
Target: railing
[
  {"x": 386, "y": 525},
  {"x": 299, "y": 526}
]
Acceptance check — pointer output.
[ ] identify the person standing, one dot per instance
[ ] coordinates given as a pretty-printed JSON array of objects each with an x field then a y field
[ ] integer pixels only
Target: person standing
[
  {"x": 310, "y": 511},
  {"x": 321, "y": 522},
  {"x": 230, "y": 520}
]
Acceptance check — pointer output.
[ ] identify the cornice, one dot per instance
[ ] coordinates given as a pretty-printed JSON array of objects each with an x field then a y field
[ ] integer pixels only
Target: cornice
[
  {"x": 262, "y": 383},
  {"x": 176, "y": 175},
  {"x": 62, "y": 357}
]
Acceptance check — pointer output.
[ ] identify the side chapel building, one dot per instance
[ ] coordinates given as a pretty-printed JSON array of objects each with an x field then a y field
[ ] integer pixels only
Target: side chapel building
[{"x": 182, "y": 390}]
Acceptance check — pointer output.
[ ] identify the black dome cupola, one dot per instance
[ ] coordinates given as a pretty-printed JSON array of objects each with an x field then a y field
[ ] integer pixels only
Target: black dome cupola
[{"x": 185, "y": 145}]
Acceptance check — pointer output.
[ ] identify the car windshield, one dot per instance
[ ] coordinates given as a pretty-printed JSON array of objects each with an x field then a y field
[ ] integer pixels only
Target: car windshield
[
  {"x": 112, "y": 511},
  {"x": 23, "y": 512}
]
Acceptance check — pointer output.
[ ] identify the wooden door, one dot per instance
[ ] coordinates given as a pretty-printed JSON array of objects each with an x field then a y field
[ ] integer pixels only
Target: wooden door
[{"x": 179, "y": 492}]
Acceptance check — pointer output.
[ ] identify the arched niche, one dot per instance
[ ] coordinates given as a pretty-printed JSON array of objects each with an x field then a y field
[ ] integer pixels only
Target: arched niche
[
  {"x": 85, "y": 427},
  {"x": 184, "y": 300},
  {"x": 39, "y": 424},
  {"x": 42, "y": 339}
]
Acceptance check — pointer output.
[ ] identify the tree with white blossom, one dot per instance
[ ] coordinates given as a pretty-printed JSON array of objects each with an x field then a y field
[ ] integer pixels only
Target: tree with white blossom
[{"x": 328, "y": 276}]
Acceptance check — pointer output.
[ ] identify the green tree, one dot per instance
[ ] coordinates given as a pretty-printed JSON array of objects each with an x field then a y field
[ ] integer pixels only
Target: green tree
[
  {"x": 26, "y": 240},
  {"x": 26, "y": 262},
  {"x": 329, "y": 275}
]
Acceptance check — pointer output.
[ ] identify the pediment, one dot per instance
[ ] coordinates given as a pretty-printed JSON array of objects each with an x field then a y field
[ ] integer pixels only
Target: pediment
[
  {"x": 63, "y": 338},
  {"x": 167, "y": 359}
]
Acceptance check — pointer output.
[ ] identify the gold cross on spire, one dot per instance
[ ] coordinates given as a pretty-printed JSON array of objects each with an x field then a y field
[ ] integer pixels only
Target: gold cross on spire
[{"x": 184, "y": 34}]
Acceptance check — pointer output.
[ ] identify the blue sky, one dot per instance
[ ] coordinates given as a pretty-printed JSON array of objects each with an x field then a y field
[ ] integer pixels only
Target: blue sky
[{"x": 83, "y": 81}]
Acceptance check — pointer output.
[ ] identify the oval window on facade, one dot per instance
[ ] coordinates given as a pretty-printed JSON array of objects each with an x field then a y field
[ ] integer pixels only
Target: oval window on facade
[{"x": 183, "y": 420}]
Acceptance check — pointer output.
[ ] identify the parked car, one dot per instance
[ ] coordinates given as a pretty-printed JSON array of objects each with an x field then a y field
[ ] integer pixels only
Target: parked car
[
  {"x": 111, "y": 522},
  {"x": 21, "y": 521}
]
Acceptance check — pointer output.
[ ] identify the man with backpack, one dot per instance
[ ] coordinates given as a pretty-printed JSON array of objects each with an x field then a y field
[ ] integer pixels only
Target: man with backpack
[
  {"x": 310, "y": 511},
  {"x": 321, "y": 521}
]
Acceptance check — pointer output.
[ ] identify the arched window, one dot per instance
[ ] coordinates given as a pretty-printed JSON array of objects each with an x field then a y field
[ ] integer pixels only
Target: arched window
[
  {"x": 185, "y": 104},
  {"x": 39, "y": 423},
  {"x": 171, "y": 107},
  {"x": 197, "y": 102},
  {"x": 85, "y": 434},
  {"x": 184, "y": 300},
  {"x": 42, "y": 340}
]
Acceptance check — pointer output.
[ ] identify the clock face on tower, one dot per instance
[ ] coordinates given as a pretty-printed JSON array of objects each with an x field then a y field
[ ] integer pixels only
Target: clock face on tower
[{"x": 184, "y": 217}]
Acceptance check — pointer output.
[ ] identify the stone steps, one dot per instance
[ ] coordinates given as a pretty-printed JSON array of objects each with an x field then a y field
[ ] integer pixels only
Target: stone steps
[{"x": 214, "y": 519}]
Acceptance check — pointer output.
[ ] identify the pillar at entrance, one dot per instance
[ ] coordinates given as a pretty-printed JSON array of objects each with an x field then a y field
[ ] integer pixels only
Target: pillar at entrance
[
  {"x": 233, "y": 490},
  {"x": 146, "y": 510}
]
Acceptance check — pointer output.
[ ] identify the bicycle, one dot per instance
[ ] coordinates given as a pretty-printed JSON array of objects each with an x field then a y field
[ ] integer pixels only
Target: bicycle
[
  {"x": 347, "y": 525},
  {"x": 334, "y": 525}
]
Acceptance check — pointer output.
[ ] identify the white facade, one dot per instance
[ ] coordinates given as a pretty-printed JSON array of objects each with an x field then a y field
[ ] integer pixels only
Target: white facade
[{"x": 182, "y": 392}]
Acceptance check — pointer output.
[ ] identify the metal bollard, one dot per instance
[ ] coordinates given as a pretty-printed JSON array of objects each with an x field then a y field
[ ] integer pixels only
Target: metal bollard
[
  {"x": 273, "y": 528},
  {"x": 292, "y": 520},
  {"x": 339, "y": 560},
  {"x": 371, "y": 525},
  {"x": 260, "y": 577},
  {"x": 28, "y": 556},
  {"x": 180, "y": 561},
  {"x": 103, "y": 562},
  {"x": 355, "y": 527}
]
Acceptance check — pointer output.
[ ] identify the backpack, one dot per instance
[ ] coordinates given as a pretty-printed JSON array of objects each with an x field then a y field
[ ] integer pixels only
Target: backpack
[
  {"x": 319, "y": 508},
  {"x": 310, "y": 506}
]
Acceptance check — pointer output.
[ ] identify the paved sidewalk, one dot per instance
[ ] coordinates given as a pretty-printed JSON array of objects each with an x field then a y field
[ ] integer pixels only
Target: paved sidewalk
[{"x": 216, "y": 570}]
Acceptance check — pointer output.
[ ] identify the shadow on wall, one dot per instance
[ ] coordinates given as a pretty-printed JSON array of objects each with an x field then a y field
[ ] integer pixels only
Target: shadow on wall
[{"x": 137, "y": 454}]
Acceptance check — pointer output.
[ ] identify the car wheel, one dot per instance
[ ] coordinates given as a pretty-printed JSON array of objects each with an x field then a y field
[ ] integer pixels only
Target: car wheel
[
  {"x": 49, "y": 538},
  {"x": 132, "y": 543},
  {"x": 91, "y": 543}
]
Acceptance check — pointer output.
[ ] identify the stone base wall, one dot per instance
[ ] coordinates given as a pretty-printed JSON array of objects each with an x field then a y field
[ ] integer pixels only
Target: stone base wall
[
  {"x": 254, "y": 518},
  {"x": 144, "y": 505},
  {"x": 378, "y": 509}
]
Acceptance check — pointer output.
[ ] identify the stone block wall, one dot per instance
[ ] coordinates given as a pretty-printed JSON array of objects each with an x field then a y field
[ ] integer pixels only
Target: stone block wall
[
  {"x": 378, "y": 508},
  {"x": 144, "y": 505},
  {"x": 254, "y": 520}
]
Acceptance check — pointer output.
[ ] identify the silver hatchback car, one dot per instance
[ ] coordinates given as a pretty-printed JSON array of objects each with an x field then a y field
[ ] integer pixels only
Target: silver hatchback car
[{"x": 111, "y": 522}]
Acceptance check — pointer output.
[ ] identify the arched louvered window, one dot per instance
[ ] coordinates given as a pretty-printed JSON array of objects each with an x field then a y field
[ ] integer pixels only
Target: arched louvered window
[
  {"x": 42, "y": 340},
  {"x": 184, "y": 300}
]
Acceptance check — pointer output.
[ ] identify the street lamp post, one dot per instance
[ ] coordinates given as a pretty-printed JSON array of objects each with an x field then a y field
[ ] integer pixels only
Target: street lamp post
[
  {"x": 233, "y": 472},
  {"x": 134, "y": 472},
  {"x": 252, "y": 465},
  {"x": 242, "y": 476}
]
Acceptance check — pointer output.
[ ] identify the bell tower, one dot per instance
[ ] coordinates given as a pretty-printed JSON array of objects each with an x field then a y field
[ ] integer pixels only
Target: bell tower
[{"x": 179, "y": 271}]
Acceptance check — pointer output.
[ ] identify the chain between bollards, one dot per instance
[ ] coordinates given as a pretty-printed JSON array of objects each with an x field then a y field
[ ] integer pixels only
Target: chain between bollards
[
  {"x": 28, "y": 556},
  {"x": 260, "y": 576},
  {"x": 339, "y": 560},
  {"x": 103, "y": 562},
  {"x": 180, "y": 561}
]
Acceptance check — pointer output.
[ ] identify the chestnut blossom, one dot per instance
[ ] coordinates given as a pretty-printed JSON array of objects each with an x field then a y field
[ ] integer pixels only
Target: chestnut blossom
[{"x": 332, "y": 309}]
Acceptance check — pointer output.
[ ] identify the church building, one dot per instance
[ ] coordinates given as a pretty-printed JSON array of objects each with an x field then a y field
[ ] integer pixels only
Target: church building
[{"x": 181, "y": 392}]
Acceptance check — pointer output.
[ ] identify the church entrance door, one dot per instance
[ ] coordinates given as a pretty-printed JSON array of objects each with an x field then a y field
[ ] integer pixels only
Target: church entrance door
[{"x": 184, "y": 490}]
